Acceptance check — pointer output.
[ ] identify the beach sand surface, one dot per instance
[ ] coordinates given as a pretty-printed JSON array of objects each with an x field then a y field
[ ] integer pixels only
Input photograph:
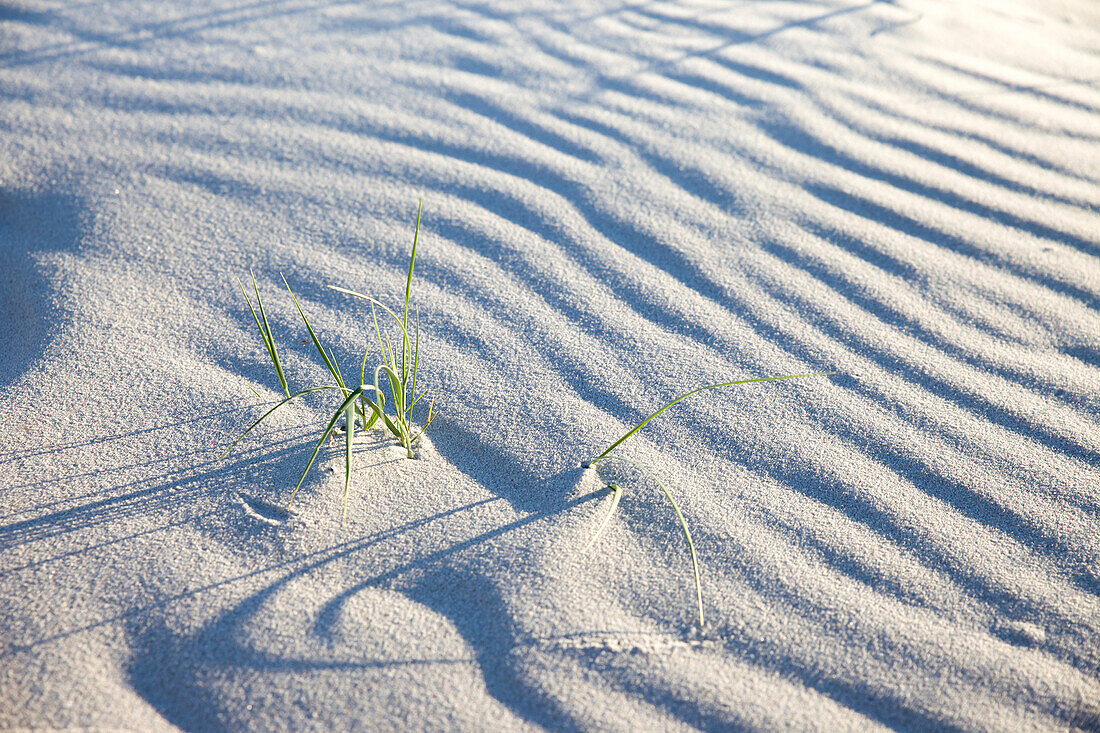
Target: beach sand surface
[{"x": 622, "y": 201}]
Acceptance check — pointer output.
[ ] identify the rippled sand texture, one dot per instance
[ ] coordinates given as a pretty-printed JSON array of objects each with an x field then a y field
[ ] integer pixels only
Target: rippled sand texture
[{"x": 622, "y": 201}]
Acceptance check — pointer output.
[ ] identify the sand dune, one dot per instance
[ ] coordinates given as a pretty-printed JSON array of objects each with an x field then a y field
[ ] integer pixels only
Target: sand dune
[{"x": 622, "y": 201}]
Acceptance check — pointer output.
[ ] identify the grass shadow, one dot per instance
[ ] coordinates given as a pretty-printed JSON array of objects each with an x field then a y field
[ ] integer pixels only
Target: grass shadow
[{"x": 32, "y": 227}]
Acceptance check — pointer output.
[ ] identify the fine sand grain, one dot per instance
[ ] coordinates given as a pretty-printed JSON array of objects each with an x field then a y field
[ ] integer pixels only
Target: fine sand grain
[{"x": 622, "y": 201}]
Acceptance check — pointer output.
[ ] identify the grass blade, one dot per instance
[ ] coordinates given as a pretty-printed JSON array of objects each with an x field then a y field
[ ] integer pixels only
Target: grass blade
[
  {"x": 368, "y": 423},
  {"x": 270, "y": 339},
  {"x": 363, "y": 365},
  {"x": 265, "y": 330},
  {"x": 431, "y": 416},
  {"x": 394, "y": 427},
  {"x": 373, "y": 302},
  {"x": 266, "y": 414},
  {"x": 642, "y": 424},
  {"x": 349, "y": 435},
  {"x": 316, "y": 342},
  {"x": 412, "y": 260},
  {"x": 336, "y": 366},
  {"x": 416, "y": 361},
  {"x": 317, "y": 449},
  {"x": 683, "y": 527}
]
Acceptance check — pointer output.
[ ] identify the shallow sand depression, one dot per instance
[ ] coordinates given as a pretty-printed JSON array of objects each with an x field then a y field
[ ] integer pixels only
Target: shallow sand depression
[{"x": 622, "y": 201}]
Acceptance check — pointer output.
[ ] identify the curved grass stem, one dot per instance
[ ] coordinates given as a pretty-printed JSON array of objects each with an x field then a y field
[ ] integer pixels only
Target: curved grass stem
[
  {"x": 269, "y": 412},
  {"x": 606, "y": 455},
  {"x": 683, "y": 527},
  {"x": 642, "y": 424}
]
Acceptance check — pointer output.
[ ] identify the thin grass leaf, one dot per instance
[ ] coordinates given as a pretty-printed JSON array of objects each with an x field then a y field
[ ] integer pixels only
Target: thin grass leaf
[
  {"x": 328, "y": 430},
  {"x": 393, "y": 427},
  {"x": 349, "y": 435},
  {"x": 387, "y": 357},
  {"x": 377, "y": 328},
  {"x": 390, "y": 424},
  {"x": 363, "y": 365},
  {"x": 397, "y": 391},
  {"x": 412, "y": 260},
  {"x": 642, "y": 424},
  {"x": 431, "y": 416},
  {"x": 316, "y": 342},
  {"x": 265, "y": 330},
  {"x": 266, "y": 414},
  {"x": 683, "y": 526},
  {"x": 392, "y": 354},
  {"x": 336, "y": 365},
  {"x": 374, "y": 303},
  {"x": 248, "y": 301},
  {"x": 269, "y": 337},
  {"x": 377, "y": 408},
  {"x": 616, "y": 494},
  {"x": 368, "y": 423},
  {"x": 416, "y": 359}
]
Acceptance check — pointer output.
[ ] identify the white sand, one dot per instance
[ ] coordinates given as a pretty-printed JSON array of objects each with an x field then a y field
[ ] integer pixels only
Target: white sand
[{"x": 622, "y": 201}]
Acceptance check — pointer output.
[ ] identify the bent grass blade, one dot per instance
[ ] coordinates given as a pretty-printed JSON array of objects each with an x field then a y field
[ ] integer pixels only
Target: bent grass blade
[
  {"x": 642, "y": 424},
  {"x": 350, "y": 399},
  {"x": 269, "y": 413},
  {"x": 616, "y": 494},
  {"x": 683, "y": 528},
  {"x": 332, "y": 368}
]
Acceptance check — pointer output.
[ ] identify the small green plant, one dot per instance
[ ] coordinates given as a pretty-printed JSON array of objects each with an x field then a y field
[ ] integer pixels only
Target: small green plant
[
  {"x": 616, "y": 491},
  {"x": 364, "y": 403}
]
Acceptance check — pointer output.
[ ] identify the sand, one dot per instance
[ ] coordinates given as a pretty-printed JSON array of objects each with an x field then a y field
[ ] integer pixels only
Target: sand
[{"x": 622, "y": 201}]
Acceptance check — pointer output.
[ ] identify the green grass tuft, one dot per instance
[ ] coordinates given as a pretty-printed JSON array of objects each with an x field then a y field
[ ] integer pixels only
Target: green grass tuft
[
  {"x": 365, "y": 403},
  {"x": 400, "y": 363}
]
